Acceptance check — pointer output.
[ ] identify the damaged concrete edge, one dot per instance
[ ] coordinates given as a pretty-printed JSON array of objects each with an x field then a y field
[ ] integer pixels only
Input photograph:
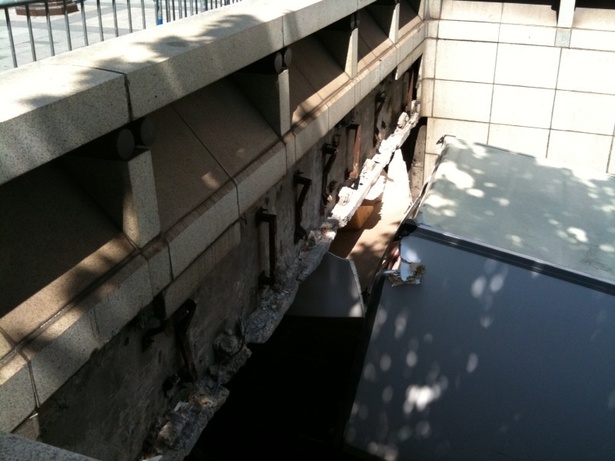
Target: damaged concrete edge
[{"x": 180, "y": 429}]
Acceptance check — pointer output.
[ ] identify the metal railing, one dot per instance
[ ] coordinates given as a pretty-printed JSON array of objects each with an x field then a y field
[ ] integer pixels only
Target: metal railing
[{"x": 38, "y": 29}]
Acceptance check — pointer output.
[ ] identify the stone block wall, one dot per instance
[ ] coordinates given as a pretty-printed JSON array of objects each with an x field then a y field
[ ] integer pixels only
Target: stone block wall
[{"x": 108, "y": 245}]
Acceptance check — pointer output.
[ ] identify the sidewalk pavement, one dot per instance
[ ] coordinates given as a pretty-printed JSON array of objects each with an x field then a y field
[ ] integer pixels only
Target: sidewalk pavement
[{"x": 132, "y": 15}]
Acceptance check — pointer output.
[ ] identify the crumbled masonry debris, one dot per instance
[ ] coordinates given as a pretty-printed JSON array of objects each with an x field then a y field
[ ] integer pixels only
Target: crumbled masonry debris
[
  {"x": 181, "y": 427},
  {"x": 417, "y": 269}
]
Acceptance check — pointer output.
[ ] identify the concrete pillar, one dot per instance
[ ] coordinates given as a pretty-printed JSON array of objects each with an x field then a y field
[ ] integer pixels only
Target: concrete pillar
[
  {"x": 386, "y": 14},
  {"x": 432, "y": 9},
  {"x": 125, "y": 189},
  {"x": 565, "y": 13},
  {"x": 267, "y": 85},
  {"x": 342, "y": 41}
]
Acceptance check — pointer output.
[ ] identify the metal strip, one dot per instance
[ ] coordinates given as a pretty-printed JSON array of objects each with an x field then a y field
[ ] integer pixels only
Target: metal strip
[{"x": 515, "y": 259}]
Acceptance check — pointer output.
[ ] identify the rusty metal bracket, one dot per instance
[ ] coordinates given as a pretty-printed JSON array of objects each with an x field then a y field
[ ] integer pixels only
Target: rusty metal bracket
[
  {"x": 306, "y": 183},
  {"x": 356, "y": 151},
  {"x": 159, "y": 311},
  {"x": 331, "y": 151},
  {"x": 263, "y": 216},
  {"x": 184, "y": 317},
  {"x": 179, "y": 322}
]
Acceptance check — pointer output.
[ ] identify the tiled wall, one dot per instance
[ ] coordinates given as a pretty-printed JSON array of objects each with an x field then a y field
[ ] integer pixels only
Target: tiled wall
[{"x": 515, "y": 76}]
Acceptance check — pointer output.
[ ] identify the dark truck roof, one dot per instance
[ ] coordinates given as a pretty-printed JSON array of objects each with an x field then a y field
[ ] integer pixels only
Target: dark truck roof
[
  {"x": 492, "y": 328},
  {"x": 523, "y": 205}
]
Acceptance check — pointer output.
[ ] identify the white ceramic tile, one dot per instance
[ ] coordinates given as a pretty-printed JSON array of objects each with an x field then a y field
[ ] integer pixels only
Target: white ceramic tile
[
  {"x": 462, "y": 101},
  {"x": 432, "y": 29},
  {"x": 593, "y": 40},
  {"x": 580, "y": 150},
  {"x": 585, "y": 112},
  {"x": 565, "y": 13},
  {"x": 514, "y": 105},
  {"x": 433, "y": 9},
  {"x": 532, "y": 15},
  {"x": 469, "y": 131},
  {"x": 428, "y": 65},
  {"x": 594, "y": 18},
  {"x": 471, "y": 11},
  {"x": 525, "y": 65},
  {"x": 531, "y": 141},
  {"x": 468, "y": 30},
  {"x": 530, "y": 35},
  {"x": 427, "y": 86},
  {"x": 465, "y": 61},
  {"x": 590, "y": 71}
]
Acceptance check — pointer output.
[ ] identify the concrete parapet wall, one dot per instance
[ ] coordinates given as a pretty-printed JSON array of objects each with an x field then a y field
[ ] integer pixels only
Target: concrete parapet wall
[{"x": 103, "y": 248}]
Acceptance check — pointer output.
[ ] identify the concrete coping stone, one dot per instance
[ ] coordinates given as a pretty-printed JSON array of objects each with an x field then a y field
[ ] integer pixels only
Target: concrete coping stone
[{"x": 53, "y": 106}]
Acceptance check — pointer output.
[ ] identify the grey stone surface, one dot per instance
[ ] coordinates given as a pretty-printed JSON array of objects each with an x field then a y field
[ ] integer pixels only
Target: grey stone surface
[
  {"x": 125, "y": 189},
  {"x": 119, "y": 299},
  {"x": 159, "y": 264},
  {"x": 310, "y": 54},
  {"x": 304, "y": 99},
  {"x": 289, "y": 142},
  {"x": 367, "y": 79},
  {"x": 303, "y": 18},
  {"x": 16, "y": 448},
  {"x": 269, "y": 94},
  {"x": 61, "y": 349},
  {"x": 260, "y": 176},
  {"x": 341, "y": 104},
  {"x": 141, "y": 220},
  {"x": 55, "y": 242},
  {"x": 48, "y": 110},
  {"x": 16, "y": 392},
  {"x": 192, "y": 235},
  {"x": 5, "y": 345},
  {"x": 186, "y": 173},
  {"x": 43, "y": 305},
  {"x": 159, "y": 63},
  {"x": 197, "y": 201},
  {"x": 186, "y": 283},
  {"x": 310, "y": 130},
  {"x": 237, "y": 138}
]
